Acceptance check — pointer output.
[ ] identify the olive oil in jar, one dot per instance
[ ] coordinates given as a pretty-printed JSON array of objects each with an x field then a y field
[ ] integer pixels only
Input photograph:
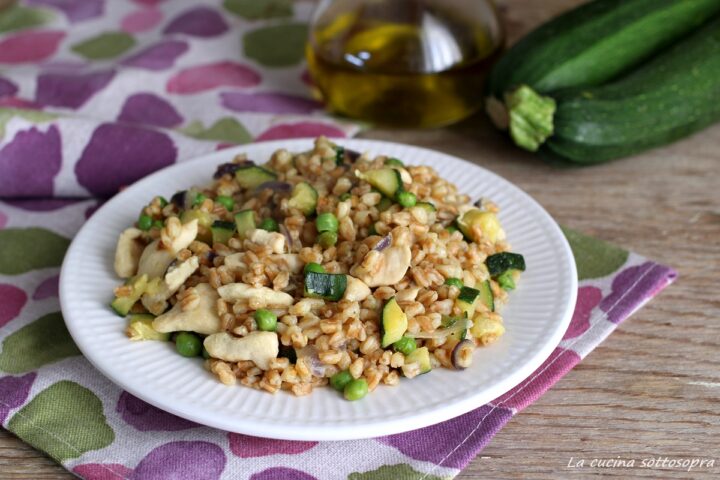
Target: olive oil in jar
[{"x": 415, "y": 63}]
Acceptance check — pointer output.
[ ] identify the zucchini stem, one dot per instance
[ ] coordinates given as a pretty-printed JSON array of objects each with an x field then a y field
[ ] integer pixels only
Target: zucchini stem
[{"x": 531, "y": 117}]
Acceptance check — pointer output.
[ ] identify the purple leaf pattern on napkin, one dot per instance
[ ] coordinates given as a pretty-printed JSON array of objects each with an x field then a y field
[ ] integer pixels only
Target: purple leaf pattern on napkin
[
  {"x": 148, "y": 418},
  {"x": 268, "y": 103},
  {"x": 198, "y": 22},
  {"x": 149, "y": 109},
  {"x": 245, "y": 446},
  {"x": 182, "y": 461},
  {"x": 7, "y": 88},
  {"x": 476, "y": 427},
  {"x": 160, "y": 56},
  {"x": 151, "y": 83},
  {"x": 47, "y": 289},
  {"x": 34, "y": 156},
  {"x": 118, "y": 155},
  {"x": 277, "y": 473},
  {"x": 14, "y": 392},
  {"x": 70, "y": 89}
]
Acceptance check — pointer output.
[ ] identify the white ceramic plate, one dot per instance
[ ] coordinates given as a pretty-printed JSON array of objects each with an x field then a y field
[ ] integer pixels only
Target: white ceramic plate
[{"x": 536, "y": 318}]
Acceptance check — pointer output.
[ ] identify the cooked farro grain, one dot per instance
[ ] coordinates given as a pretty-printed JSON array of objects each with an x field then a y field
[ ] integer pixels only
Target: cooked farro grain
[{"x": 371, "y": 288}]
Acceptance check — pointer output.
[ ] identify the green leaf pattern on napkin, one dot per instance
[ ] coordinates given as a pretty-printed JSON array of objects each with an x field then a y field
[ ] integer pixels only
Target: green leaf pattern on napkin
[
  {"x": 65, "y": 420},
  {"x": 25, "y": 249},
  {"x": 393, "y": 472},
  {"x": 594, "y": 257},
  {"x": 44, "y": 341}
]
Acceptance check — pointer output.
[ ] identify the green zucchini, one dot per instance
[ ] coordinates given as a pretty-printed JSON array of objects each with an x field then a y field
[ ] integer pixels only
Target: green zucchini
[
  {"x": 477, "y": 225},
  {"x": 204, "y": 218},
  {"x": 138, "y": 285},
  {"x": 427, "y": 206},
  {"x": 244, "y": 222},
  {"x": 486, "y": 295},
  {"x": 459, "y": 330},
  {"x": 251, "y": 176},
  {"x": 393, "y": 162},
  {"x": 304, "y": 197},
  {"x": 500, "y": 263},
  {"x": 140, "y": 328},
  {"x": 330, "y": 286},
  {"x": 596, "y": 42},
  {"x": 393, "y": 323},
  {"x": 386, "y": 180},
  {"x": 421, "y": 356},
  {"x": 467, "y": 300},
  {"x": 673, "y": 95},
  {"x": 222, "y": 231}
]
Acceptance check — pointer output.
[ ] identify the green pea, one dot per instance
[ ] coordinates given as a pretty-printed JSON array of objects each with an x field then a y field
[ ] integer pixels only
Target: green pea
[
  {"x": 394, "y": 162},
  {"x": 269, "y": 224},
  {"x": 314, "y": 267},
  {"x": 188, "y": 344},
  {"x": 145, "y": 222},
  {"x": 163, "y": 201},
  {"x": 327, "y": 239},
  {"x": 199, "y": 198},
  {"x": 355, "y": 389},
  {"x": 266, "y": 320},
  {"x": 506, "y": 280},
  {"x": 326, "y": 222},
  {"x": 158, "y": 224},
  {"x": 344, "y": 196},
  {"x": 451, "y": 228},
  {"x": 406, "y": 345},
  {"x": 384, "y": 204},
  {"x": 226, "y": 202},
  {"x": 372, "y": 230},
  {"x": 454, "y": 282},
  {"x": 205, "y": 353},
  {"x": 406, "y": 199},
  {"x": 340, "y": 380}
]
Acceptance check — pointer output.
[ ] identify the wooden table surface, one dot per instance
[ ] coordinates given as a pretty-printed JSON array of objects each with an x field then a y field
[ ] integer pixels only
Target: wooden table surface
[{"x": 651, "y": 390}]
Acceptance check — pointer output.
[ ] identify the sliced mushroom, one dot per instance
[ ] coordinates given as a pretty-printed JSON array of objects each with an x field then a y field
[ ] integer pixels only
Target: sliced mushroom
[
  {"x": 157, "y": 257},
  {"x": 356, "y": 290},
  {"x": 156, "y": 302},
  {"x": 274, "y": 240},
  {"x": 203, "y": 319},
  {"x": 128, "y": 252},
  {"x": 387, "y": 267},
  {"x": 260, "y": 347},
  {"x": 243, "y": 291}
]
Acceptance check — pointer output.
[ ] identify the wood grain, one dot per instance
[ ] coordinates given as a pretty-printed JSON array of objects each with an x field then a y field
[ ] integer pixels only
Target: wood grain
[{"x": 651, "y": 389}]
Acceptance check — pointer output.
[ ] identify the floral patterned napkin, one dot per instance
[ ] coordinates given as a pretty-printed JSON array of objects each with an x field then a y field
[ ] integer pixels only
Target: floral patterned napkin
[{"x": 95, "y": 94}]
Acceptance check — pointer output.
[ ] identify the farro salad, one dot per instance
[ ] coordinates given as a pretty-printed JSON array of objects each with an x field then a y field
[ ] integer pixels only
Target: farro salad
[{"x": 326, "y": 267}]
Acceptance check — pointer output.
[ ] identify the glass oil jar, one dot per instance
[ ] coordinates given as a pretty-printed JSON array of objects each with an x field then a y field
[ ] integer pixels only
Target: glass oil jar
[{"x": 411, "y": 63}]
